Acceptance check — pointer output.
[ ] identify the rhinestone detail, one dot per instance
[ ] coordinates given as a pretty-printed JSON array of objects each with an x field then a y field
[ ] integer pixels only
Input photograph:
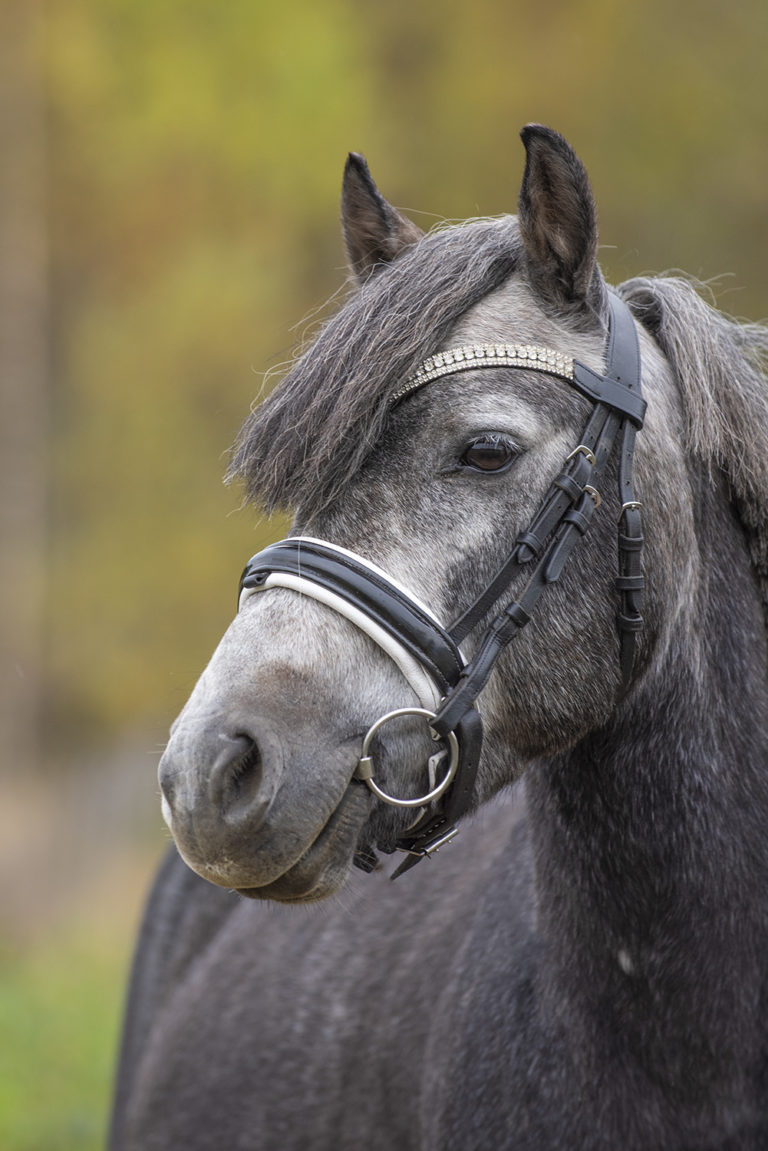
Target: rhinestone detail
[{"x": 462, "y": 359}]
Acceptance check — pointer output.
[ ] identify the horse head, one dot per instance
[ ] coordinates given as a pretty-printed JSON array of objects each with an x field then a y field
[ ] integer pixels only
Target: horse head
[{"x": 260, "y": 778}]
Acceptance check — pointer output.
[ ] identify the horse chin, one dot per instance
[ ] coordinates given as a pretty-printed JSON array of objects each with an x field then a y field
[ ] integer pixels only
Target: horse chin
[{"x": 324, "y": 867}]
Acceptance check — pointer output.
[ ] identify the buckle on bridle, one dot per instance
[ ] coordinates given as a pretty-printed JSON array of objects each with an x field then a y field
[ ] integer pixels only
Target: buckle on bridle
[
  {"x": 630, "y": 505},
  {"x": 584, "y": 451},
  {"x": 432, "y": 846}
]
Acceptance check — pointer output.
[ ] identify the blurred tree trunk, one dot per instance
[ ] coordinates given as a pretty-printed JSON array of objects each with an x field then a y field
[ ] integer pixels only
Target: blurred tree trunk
[{"x": 23, "y": 380}]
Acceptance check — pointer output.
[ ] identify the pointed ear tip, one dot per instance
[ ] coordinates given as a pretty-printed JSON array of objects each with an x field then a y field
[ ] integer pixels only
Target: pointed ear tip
[
  {"x": 535, "y": 131},
  {"x": 357, "y": 161}
]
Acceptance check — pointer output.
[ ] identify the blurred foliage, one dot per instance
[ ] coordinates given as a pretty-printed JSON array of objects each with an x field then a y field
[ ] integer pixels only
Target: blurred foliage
[{"x": 195, "y": 153}]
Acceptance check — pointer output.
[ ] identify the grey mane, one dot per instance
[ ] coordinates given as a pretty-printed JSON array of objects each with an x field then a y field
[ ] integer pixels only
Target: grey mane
[
  {"x": 313, "y": 433},
  {"x": 721, "y": 366}
]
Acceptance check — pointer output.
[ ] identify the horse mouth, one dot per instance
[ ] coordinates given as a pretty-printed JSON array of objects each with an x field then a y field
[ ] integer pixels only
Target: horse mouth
[{"x": 325, "y": 864}]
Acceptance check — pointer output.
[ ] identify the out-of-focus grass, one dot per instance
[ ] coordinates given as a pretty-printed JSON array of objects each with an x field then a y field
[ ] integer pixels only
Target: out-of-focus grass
[
  {"x": 77, "y": 851},
  {"x": 60, "y": 1011},
  {"x": 76, "y": 856}
]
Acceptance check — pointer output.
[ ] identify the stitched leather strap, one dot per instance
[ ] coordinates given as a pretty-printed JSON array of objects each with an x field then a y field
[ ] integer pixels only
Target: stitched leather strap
[
  {"x": 624, "y": 351},
  {"x": 530, "y": 544},
  {"x": 620, "y": 407}
]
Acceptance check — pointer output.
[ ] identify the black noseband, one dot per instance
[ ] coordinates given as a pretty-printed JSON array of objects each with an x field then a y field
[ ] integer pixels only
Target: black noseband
[{"x": 380, "y": 606}]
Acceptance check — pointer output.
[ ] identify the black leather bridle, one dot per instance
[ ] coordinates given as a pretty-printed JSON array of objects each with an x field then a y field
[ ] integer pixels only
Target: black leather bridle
[{"x": 428, "y": 653}]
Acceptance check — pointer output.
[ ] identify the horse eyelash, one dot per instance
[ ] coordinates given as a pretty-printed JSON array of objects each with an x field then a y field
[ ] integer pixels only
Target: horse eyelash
[{"x": 494, "y": 439}]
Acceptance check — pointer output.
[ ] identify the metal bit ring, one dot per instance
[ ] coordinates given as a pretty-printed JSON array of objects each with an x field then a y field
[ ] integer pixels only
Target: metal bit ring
[{"x": 364, "y": 769}]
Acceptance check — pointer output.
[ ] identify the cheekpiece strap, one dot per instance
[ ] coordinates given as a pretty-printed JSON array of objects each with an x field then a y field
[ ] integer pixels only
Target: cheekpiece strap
[{"x": 564, "y": 517}]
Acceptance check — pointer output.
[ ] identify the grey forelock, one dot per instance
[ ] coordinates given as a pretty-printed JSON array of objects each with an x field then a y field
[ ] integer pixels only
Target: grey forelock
[{"x": 315, "y": 430}]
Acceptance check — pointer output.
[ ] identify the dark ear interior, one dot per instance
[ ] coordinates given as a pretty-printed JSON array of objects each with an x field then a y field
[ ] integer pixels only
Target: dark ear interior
[
  {"x": 558, "y": 223},
  {"x": 374, "y": 232}
]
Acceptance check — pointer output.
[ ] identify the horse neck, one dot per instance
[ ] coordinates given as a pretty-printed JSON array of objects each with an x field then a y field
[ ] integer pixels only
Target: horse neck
[{"x": 649, "y": 837}]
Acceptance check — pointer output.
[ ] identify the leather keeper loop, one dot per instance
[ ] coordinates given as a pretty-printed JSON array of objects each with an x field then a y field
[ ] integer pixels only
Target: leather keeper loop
[
  {"x": 580, "y": 519},
  {"x": 528, "y": 542},
  {"x": 570, "y": 486},
  {"x": 517, "y": 614},
  {"x": 630, "y": 583},
  {"x": 630, "y": 543}
]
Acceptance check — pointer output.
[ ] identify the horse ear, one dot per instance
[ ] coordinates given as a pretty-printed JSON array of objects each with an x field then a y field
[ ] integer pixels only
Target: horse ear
[
  {"x": 374, "y": 232},
  {"x": 558, "y": 222}
]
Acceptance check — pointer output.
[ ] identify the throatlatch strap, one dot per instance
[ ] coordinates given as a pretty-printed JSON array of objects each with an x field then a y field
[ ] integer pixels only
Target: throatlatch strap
[{"x": 624, "y": 355}]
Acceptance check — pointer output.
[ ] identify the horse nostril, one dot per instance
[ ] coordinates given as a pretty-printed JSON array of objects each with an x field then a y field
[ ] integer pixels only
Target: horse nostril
[{"x": 237, "y": 775}]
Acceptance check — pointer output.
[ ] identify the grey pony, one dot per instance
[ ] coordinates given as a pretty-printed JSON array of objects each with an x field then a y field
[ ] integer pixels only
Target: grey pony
[{"x": 585, "y": 966}]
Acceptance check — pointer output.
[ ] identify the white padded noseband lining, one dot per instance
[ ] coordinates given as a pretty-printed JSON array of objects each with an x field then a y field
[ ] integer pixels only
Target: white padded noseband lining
[{"x": 423, "y": 685}]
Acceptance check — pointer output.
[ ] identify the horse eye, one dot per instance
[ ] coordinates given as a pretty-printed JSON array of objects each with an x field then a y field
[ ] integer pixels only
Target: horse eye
[{"x": 488, "y": 454}]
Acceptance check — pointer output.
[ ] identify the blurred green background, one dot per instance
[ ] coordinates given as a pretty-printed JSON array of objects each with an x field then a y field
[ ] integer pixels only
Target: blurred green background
[{"x": 169, "y": 182}]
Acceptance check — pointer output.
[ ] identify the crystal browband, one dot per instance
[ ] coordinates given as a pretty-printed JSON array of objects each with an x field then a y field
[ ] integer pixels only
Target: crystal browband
[{"x": 528, "y": 356}]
